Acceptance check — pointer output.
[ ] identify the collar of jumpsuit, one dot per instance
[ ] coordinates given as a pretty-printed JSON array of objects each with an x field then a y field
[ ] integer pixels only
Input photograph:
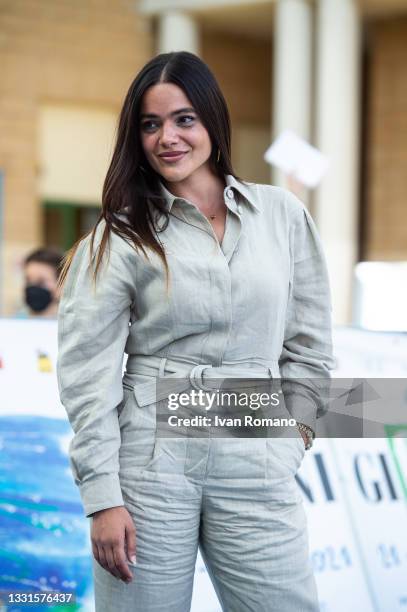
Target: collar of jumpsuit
[
  {"x": 237, "y": 196},
  {"x": 232, "y": 185}
]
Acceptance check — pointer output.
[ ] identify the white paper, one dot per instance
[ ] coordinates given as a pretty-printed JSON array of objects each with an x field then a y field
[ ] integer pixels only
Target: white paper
[{"x": 297, "y": 158}]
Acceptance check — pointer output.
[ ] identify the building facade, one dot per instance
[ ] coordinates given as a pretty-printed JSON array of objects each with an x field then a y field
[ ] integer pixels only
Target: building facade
[{"x": 331, "y": 70}]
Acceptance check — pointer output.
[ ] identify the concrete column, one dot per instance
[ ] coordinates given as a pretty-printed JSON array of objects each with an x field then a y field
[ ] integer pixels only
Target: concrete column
[
  {"x": 292, "y": 59},
  {"x": 178, "y": 31},
  {"x": 337, "y": 130}
]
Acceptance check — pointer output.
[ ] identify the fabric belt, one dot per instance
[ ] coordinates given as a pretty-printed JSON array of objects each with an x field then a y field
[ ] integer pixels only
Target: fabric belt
[{"x": 182, "y": 375}]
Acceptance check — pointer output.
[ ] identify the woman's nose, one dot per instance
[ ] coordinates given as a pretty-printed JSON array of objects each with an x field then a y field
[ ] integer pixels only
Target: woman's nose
[{"x": 168, "y": 134}]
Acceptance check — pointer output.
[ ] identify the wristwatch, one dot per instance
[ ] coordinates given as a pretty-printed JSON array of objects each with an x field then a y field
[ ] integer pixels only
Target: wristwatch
[{"x": 309, "y": 434}]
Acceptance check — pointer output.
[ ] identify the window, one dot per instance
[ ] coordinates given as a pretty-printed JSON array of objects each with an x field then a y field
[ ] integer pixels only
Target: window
[{"x": 64, "y": 223}]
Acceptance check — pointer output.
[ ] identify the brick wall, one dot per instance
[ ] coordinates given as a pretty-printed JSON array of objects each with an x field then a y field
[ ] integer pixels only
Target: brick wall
[
  {"x": 85, "y": 53},
  {"x": 243, "y": 69},
  {"x": 386, "y": 148}
]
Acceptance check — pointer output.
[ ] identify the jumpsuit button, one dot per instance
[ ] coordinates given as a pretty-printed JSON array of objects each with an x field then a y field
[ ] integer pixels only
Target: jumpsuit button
[{"x": 229, "y": 193}]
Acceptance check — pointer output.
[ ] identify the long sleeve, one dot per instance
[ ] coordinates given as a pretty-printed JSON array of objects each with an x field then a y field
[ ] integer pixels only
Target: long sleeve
[
  {"x": 93, "y": 326},
  {"x": 306, "y": 358}
]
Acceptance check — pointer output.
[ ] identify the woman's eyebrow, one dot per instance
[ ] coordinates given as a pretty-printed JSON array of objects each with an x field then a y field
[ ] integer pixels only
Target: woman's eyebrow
[{"x": 177, "y": 112}]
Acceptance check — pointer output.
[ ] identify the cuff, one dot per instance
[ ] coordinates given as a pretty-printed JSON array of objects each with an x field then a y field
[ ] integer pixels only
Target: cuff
[
  {"x": 302, "y": 409},
  {"x": 101, "y": 493}
]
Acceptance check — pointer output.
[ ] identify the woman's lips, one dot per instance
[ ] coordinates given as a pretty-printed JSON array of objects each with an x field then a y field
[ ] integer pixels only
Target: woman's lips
[{"x": 173, "y": 156}]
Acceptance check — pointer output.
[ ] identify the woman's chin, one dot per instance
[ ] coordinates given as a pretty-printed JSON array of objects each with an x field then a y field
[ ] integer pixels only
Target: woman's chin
[{"x": 174, "y": 174}]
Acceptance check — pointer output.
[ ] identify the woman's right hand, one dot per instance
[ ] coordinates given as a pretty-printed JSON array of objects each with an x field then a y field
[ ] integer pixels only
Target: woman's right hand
[{"x": 113, "y": 534}]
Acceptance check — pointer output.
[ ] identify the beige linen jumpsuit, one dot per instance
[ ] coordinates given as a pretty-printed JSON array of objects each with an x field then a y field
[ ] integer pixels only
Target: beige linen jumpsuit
[{"x": 258, "y": 302}]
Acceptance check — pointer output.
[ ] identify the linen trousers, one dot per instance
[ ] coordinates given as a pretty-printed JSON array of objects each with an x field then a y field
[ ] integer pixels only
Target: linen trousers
[{"x": 234, "y": 498}]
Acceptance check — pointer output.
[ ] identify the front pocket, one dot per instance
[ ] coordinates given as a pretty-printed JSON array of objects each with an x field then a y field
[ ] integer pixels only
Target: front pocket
[
  {"x": 137, "y": 432},
  {"x": 284, "y": 456}
]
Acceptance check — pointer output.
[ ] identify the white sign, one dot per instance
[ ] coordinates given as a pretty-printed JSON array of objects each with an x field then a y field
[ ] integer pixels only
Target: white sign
[
  {"x": 297, "y": 158},
  {"x": 354, "y": 490}
]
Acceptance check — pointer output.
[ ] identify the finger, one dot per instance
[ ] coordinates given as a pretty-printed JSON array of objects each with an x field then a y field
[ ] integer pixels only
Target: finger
[
  {"x": 102, "y": 557},
  {"x": 111, "y": 562},
  {"x": 121, "y": 564},
  {"x": 130, "y": 543},
  {"x": 95, "y": 552}
]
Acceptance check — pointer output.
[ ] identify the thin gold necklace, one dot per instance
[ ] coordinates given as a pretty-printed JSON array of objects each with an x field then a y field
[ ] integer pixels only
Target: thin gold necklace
[{"x": 212, "y": 217}]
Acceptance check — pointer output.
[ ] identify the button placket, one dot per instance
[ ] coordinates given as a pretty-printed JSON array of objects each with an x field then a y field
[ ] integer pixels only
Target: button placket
[{"x": 232, "y": 237}]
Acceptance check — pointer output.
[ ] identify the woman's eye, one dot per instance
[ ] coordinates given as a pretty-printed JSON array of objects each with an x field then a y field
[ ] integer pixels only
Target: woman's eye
[
  {"x": 148, "y": 126},
  {"x": 186, "y": 119},
  {"x": 151, "y": 125}
]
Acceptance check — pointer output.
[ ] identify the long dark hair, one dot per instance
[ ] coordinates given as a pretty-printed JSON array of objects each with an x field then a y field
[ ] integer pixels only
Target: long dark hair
[{"x": 131, "y": 183}]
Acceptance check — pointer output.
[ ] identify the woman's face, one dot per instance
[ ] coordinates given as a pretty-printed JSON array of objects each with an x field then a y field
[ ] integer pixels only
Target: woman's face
[{"x": 174, "y": 140}]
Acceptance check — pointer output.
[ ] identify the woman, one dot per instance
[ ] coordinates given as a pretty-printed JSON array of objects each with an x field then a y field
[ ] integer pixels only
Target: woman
[{"x": 196, "y": 275}]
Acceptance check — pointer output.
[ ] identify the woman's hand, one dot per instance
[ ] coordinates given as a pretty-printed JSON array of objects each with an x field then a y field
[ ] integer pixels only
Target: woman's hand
[{"x": 112, "y": 535}]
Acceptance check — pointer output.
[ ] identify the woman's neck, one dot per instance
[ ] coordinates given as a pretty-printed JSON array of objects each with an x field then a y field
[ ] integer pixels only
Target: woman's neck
[{"x": 202, "y": 189}]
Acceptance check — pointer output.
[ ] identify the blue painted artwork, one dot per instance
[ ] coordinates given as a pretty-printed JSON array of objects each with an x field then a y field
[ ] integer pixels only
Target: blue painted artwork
[{"x": 44, "y": 535}]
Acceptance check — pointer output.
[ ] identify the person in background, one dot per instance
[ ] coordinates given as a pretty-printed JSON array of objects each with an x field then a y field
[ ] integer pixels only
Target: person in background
[{"x": 41, "y": 293}]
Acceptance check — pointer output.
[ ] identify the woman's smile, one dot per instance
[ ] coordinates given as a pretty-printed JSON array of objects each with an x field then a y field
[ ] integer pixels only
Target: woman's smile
[{"x": 172, "y": 156}]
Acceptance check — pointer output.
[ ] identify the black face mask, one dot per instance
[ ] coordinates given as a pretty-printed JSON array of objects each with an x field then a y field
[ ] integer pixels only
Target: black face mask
[{"x": 37, "y": 298}]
